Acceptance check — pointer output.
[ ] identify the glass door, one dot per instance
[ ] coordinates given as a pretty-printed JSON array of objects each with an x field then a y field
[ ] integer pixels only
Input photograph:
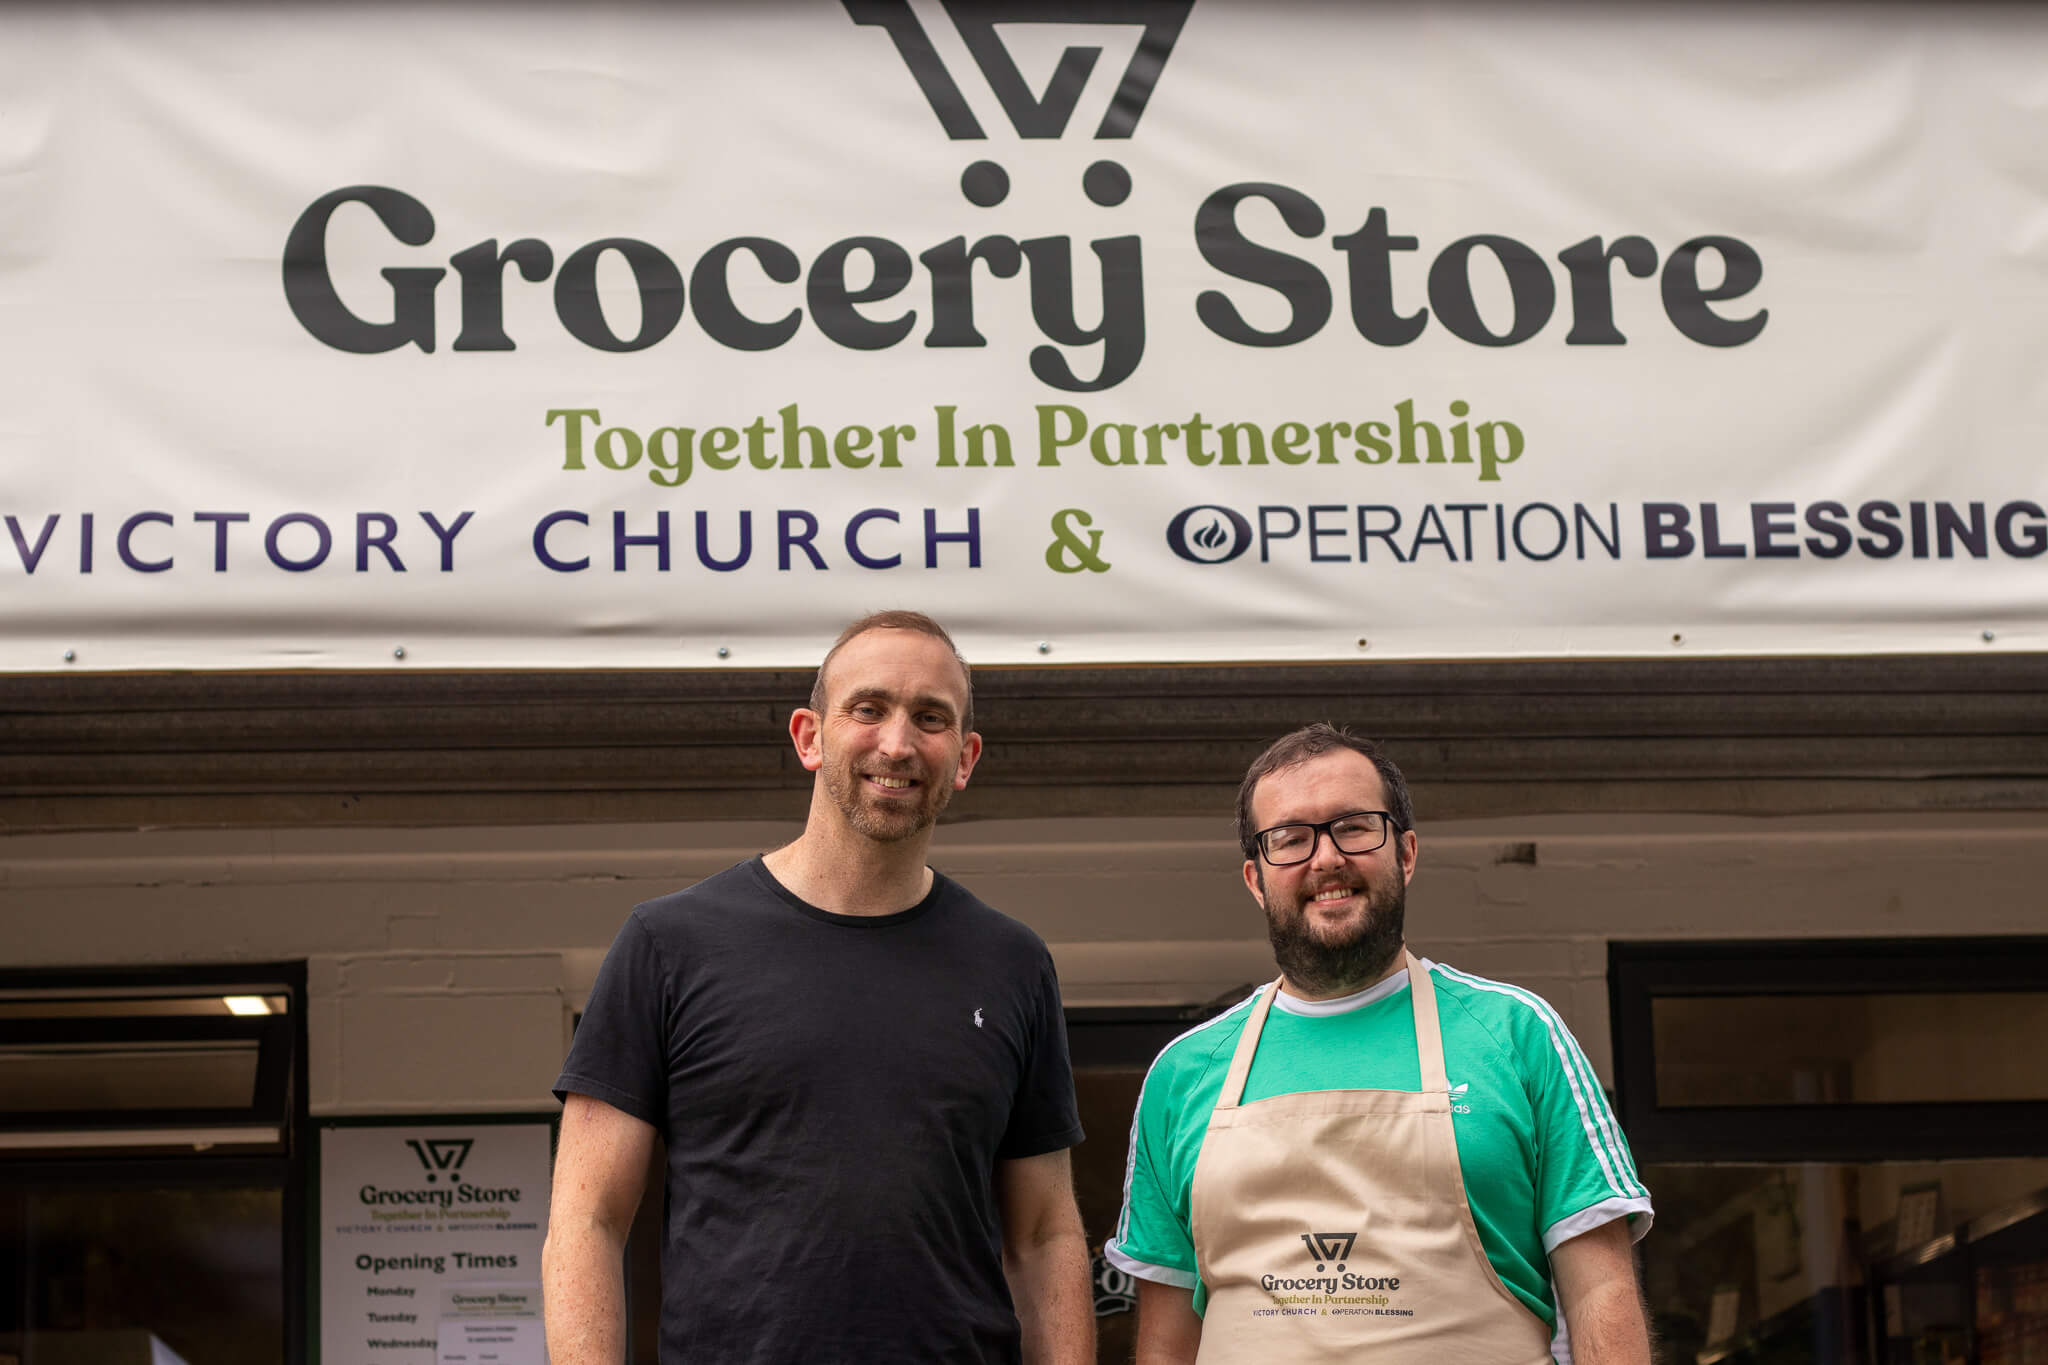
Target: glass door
[{"x": 152, "y": 1167}]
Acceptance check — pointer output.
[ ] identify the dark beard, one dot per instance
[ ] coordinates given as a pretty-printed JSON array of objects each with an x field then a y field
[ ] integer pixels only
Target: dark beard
[{"x": 1329, "y": 969}]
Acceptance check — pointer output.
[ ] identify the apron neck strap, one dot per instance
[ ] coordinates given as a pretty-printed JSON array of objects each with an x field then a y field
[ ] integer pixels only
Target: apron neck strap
[
  {"x": 1429, "y": 1034},
  {"x": 1429, "y": 1037},
  {"x": 1247, "y": 1044}
]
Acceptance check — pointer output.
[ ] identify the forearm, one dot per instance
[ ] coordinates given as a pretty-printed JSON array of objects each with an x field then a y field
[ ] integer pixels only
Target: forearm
[
  {"x": 583, "y": 1284},
  {"x": 1055, "y": 1305},
  {"x": 1596, "y": 1286},
  {"x": 1155, "y": 1352},
  {"x": 1608, "y": 1326},
  {"x": 1169, "y": 1333}
]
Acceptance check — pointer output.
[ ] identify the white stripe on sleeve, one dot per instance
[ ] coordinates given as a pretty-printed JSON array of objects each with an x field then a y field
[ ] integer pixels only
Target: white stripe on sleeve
[
  {"x": 1145, "y": 1270},
  {"x": 1606, "y": 1145},
  {"x": 1600, "y": 1214}
]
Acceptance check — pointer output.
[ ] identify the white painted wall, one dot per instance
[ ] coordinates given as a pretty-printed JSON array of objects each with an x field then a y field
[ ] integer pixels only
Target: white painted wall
[{"x": 444, "y": 964}]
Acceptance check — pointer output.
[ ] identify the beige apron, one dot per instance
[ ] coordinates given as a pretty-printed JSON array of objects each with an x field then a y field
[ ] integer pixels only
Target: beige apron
[{"x": 1332, "y": 1224}]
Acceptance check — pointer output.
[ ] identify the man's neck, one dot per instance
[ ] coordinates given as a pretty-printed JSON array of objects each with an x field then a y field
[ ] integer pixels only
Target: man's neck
[
  {"x": 1337, "y": 990},
  {"x": 846, "y": 873}
]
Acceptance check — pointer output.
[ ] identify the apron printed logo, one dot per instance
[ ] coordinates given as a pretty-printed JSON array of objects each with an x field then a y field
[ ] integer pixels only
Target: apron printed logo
[
  {"x": 1329, "y": 1246},
  {"x": 1347, "y": 1293}
]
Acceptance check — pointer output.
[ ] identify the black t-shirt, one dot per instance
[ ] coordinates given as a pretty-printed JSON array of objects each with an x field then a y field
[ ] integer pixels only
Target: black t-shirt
[{"x": 835, "y": 1092}]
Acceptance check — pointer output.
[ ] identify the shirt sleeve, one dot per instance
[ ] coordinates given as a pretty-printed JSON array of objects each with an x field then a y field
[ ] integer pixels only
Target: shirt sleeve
[
  {"x": 620, "y": 1052},
  {"x": 1584, "y": 1174},
  {"x": 1153, "y": 1237},
  {"x": 1045, "y": 1116}
]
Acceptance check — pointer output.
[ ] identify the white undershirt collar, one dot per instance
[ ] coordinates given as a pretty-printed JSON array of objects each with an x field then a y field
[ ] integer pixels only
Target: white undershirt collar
[{"x": 1344, "y": 1004}]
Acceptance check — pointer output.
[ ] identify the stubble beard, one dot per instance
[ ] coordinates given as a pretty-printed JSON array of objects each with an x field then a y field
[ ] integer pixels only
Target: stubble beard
[
  {"x": 1329, "y": 967},
  {"x": 888, "y": 824}
]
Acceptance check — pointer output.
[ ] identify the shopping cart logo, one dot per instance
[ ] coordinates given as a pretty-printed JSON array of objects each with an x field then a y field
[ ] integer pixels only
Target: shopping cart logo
[
  {"x": 1042, "y": 114},
  {"x": 1326, "y": 1247},
  {"x": 441, "y": 1156}
]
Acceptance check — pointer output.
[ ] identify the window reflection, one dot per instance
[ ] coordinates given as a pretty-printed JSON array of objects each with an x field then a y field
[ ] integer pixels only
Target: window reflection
[
  {"x": 1890, "y": 1263},
  {"x": 1836, "y": 1048},
  {"x": 108, "y": 1273},
  {"x": 184, "y": 1074}
]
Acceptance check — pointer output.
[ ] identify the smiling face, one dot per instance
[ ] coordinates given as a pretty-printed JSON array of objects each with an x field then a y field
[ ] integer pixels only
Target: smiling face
[
  {"x": 1335, "y": 920},
  {"x": 888, "y": 746}
]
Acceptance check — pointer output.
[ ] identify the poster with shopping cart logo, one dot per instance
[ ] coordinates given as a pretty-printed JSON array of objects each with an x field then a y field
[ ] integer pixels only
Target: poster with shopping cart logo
[{"x": 430, "y": 1236}]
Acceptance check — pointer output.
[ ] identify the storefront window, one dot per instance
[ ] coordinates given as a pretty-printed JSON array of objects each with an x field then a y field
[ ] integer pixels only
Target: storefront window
[
  {"x": 1861, "y": 1048},
  {"x": 1900, "y": 1263},
  {"x": 1846, "y": 1145},
  {"x": 152, "y": 1167},
  {"x": 126, "y": 1271}
]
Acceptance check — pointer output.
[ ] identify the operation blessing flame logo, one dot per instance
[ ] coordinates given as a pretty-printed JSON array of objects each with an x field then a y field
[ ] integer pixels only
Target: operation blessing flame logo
[
  {"x": 441, "y": 1156},
  {"x": 1217, "y": 539}
]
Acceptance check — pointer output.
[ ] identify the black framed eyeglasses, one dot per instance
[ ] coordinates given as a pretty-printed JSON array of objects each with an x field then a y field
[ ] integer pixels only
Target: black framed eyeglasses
[{"x": 1361, "y": 831}]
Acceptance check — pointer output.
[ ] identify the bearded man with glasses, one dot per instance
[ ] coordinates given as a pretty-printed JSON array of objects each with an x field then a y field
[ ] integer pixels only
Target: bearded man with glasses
[{"x": 1376, "y": 1156}]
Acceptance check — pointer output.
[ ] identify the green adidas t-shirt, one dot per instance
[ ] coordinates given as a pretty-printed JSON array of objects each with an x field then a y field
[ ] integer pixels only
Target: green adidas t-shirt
[{"x": 1542, "y": 1155}]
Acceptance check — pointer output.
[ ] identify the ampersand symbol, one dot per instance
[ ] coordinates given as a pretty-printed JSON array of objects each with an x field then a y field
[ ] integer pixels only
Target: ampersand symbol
[{"x": 1067, "y": 554}]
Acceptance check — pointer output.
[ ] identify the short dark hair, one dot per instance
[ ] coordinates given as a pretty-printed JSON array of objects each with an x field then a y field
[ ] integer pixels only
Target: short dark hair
[
  {"x": 896, "y": 620},
  {"x": 1313, "y": 741}
]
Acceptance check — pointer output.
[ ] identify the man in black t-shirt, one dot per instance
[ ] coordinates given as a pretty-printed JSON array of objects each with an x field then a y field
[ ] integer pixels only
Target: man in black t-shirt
[{"x": 859, "y": 1070}]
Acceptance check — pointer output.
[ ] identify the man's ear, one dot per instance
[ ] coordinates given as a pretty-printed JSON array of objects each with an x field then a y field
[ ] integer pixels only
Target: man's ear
[
  {"x": 970, "y": 754},
  {"x": 1251, "y": 882},
  {"x": 805, "y": 727},
  {"x": 1408, "y": 851}
]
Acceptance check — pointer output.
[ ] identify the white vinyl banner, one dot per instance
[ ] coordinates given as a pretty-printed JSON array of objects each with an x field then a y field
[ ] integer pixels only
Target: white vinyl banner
[{"x": 504, "y": 335}]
